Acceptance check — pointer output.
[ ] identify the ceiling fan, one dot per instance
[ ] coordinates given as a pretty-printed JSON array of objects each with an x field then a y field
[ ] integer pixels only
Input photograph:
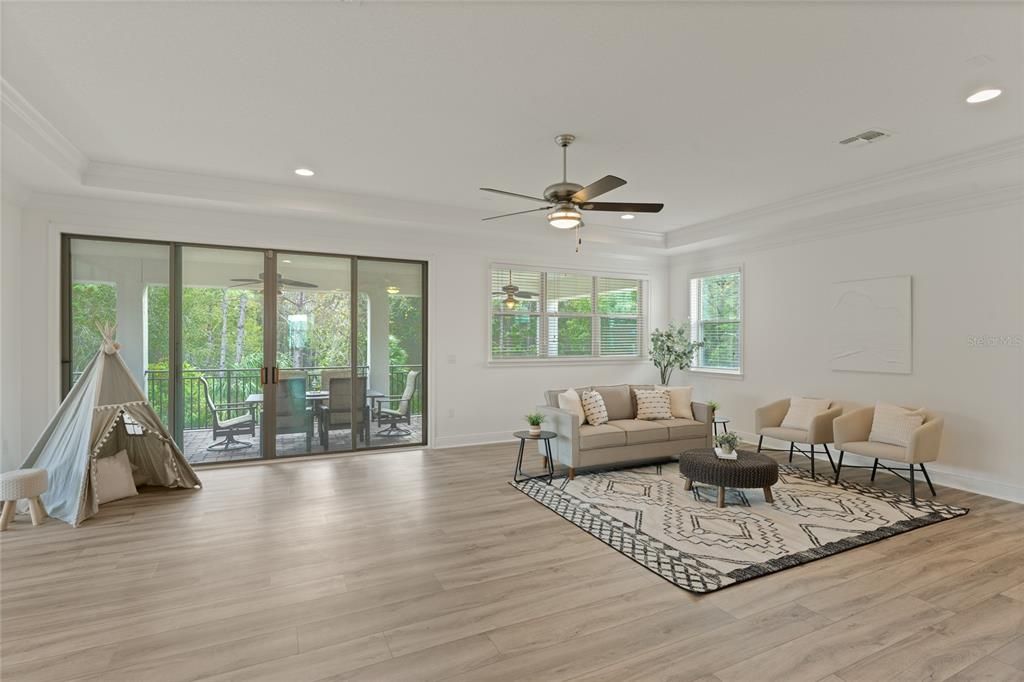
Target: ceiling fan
[
  {"x": 510, "y": 291},
  {"x": 257, "y": 284},
  {"x": 567, "y": 199}
]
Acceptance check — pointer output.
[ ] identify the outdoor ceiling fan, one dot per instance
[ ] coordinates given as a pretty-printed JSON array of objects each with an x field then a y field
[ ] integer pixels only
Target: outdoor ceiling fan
[
  {"x": 282, "y": 282},
  {"x": 510, "y": 291},
  {"x": 565, "y": 200}
]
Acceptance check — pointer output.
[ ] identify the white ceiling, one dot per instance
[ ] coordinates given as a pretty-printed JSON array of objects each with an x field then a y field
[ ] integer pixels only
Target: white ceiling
[{"x": 710, "y": 108}]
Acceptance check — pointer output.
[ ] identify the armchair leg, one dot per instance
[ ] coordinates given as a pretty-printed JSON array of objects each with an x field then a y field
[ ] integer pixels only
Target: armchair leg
[
  {"x": 812, "y": 460},
  {"x": 874, "y": 469},
  {"x": 825, "y": 445},
  {"x": 927, "y": 478},
  {"x": 839, "y": 467},
  {"x": 572, "y": 473},
  {"x": 913, "y": 487},
  {"x": 791, "y": 453},
  {"x": 759, "y": 442}
]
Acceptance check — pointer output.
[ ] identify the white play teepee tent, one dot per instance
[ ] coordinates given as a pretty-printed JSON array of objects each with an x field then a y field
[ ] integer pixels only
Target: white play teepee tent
[{"x": 104, "y": 413}]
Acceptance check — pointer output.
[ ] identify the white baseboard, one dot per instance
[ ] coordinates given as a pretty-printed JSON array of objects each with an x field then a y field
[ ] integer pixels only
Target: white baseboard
[
  {"x": 486, "y": 438},
  {"x": 943, "y": 475}
]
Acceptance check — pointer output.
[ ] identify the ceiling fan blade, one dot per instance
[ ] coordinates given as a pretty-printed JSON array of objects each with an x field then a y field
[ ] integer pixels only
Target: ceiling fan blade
[
  {"x": 621, "y": 207},
  {"x": 515, "y": 194},
  {"x": 255, "y": 286},
  {"x": 246, "y": 280},
  {"x": 594, "y": 189},
  {"x": 532, "y": 210},
  {"x": 297, "y": 283}
]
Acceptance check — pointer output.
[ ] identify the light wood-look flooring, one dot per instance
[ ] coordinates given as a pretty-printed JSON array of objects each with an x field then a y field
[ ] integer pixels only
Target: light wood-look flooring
[{"x": 428, "y": 566}]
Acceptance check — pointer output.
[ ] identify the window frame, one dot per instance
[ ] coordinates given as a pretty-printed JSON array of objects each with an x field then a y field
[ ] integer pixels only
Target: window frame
[
  {"x": 544, "y": 317},
  {"x": 695, "y": 321}
]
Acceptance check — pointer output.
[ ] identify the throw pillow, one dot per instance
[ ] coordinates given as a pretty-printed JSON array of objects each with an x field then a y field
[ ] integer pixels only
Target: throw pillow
[
  {"x": 802, "y": 411},
  {"x": 617, "y": 401},
  {"x": 593, "y": 407},
  {"x": 895, "y": 425},
  {"x": 653, "y": 404},
  {"x": 114, "y": 478},
  {"x": 680, "y": 398},
  {"x": 571, "y": 403}
]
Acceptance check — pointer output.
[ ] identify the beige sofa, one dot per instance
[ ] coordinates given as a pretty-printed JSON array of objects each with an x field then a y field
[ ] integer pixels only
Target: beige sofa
[{"x": 624, "y": 439}]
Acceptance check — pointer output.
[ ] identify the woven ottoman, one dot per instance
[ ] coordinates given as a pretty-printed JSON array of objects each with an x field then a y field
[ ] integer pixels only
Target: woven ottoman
[
  {"x": 22, "y": 484},
  {"x": 748, "y": 470}
]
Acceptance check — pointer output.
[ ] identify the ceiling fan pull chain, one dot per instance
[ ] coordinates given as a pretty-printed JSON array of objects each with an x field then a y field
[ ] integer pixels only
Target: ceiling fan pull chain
[{"x": 579, "y": 239}]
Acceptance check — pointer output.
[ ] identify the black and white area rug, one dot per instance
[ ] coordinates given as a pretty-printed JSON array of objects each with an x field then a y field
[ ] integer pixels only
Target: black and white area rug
[{"x": 684, "y": 537}]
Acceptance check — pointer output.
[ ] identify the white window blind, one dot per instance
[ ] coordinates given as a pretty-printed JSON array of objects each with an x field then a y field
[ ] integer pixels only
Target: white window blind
[
  {"x": 565, "y": 315},
  {"x": 716, "y": 318}
]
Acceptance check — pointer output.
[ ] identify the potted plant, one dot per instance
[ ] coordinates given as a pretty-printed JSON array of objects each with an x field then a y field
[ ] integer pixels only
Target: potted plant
[
  {"x": 713, "y": 407},
  {"x": 672, "y": 349},
  {"x": 727, "y": 443},
  {"x": 535, "y": 419}
]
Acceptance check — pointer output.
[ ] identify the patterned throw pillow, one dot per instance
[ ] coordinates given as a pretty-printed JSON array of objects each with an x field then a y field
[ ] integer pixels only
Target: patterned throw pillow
[
  {"x": 653, "y": 404},
  {"x": 593, "y": 407},
  {"x": 894, "y": 425}
]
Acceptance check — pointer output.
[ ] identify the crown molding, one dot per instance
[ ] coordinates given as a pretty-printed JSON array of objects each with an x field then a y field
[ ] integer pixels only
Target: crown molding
[
  {"x": 884, "y": 215},
  {"x": 24, "y": 120},
  {"x": 947, "y": 170}
]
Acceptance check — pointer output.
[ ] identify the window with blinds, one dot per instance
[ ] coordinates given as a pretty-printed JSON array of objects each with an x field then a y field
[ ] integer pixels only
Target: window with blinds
[
  {"x": 538, "y": 315},
  {"x": 716, "y": 318}
]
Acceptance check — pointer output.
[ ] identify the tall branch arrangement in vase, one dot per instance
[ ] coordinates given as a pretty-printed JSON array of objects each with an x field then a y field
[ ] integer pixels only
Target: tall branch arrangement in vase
[{"x": 672, "y": 349}]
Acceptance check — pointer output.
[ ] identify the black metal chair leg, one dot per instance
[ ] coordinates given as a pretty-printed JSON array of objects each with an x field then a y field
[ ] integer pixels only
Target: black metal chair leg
[
  {"x": 759, "y": 442},
  {"x": 812, "y": 460},
  {"x": 791, "y": 453},
  {"x": 928, "y": 478},
  {"x": 913, "y": 487},
  {"x": 874, "y": 468},
  {"x": 551, "y": 461},
  {"x": 839, "y": 467},
  {"x": 825, "y": 445}
]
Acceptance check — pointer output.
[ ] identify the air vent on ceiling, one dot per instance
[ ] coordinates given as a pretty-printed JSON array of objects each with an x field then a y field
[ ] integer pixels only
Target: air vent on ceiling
[{"x": 866, "y": 137}]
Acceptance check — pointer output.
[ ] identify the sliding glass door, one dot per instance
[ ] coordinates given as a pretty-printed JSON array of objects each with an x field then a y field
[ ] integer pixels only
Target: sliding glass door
[{"x": 248, "y": 354}]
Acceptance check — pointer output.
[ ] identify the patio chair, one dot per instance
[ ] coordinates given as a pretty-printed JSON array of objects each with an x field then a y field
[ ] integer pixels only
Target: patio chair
[
  {"x": 341, "y": 413},
  {"x": 226, "y": 426},
  {"x": 400, "y": 415},
  {"x": 292, "y": 413}
]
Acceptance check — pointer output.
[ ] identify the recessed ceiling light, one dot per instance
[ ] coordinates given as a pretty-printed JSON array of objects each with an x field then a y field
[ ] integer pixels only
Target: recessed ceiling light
[
  {"x": 984, "y": 95},
  {"x": 393, "y": 290},
  {"x": 304, "y": 172},
  {"x": 627, "y": 216}
]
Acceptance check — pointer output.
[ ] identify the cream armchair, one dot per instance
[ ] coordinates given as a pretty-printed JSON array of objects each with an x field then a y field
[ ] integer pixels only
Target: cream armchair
[
  {"x": 853, "y": 429},
  {"x": 768, "y": 422}
]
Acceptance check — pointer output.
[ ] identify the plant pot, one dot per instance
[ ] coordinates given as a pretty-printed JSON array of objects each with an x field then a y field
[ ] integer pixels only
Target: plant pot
[{"x": 534, "y": 430}]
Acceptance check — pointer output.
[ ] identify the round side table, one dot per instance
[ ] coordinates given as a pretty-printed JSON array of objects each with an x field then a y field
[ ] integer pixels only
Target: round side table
[
  {"x": 724, "y": 422},
  {"x": 524, "y": 436}
]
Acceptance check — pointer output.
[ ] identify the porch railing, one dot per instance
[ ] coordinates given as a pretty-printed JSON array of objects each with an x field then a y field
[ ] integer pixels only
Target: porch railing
[{"x": 235, "y": 385}]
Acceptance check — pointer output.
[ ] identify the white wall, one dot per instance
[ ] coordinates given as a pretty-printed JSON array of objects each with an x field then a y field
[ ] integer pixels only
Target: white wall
[
  {"x": 10, "y": 336},
  {"x": 968, "y": 279},
  {"x": 470, "y": 401}
]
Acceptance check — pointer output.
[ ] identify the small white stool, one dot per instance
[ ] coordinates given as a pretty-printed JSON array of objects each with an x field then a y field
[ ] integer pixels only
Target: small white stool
[{"x": 22, "y": 484}]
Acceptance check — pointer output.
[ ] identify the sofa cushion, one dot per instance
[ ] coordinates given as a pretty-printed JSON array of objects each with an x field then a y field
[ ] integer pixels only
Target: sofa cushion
[
  {"x": 653, "y": 404},
  {"x": 638, "y": 431},
  {"x": 593, "y": 407},
  {"x": 633, "y": 388},
  {"x": 603, "y": 436},
  {"x": 617, "y": 400},
  {"x": 792, "y": 435},
  {"x": 877, "y": 450},
  {"x": 681, "y": 429}
]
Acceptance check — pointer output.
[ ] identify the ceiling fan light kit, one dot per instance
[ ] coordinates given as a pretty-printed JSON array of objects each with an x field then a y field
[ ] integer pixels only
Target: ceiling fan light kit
[{"x": 568, "y": 199}]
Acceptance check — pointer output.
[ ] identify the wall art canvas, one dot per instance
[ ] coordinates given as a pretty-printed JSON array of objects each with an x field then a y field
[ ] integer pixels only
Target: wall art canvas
[{"x": 871, "y": 325}]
